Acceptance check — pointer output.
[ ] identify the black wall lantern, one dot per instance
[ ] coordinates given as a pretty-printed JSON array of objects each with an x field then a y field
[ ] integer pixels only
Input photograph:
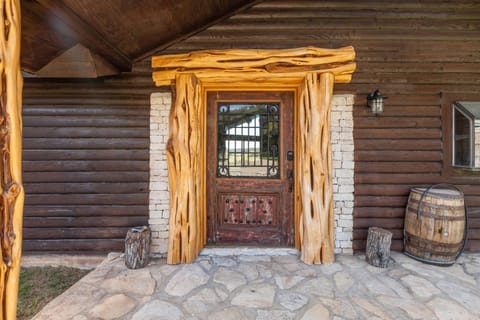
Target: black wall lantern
[{"x": 376, "y": 101}]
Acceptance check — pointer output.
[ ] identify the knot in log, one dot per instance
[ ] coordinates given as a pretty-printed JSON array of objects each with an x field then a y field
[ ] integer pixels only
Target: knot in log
[
  {"x": 11, "y": 236},
  {"x": 8, "y": 237},
  {"x": 7, "y": 261},
  {"x": 3, "y": 130},
  {"x": 12, "y": 190}
]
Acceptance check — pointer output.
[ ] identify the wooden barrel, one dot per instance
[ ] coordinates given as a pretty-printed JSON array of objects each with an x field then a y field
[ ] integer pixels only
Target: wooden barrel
[{"x": 434, "y": 225}]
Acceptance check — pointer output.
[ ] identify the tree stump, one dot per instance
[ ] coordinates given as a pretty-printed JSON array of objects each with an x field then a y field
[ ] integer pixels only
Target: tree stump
[
  {"x": 378, "y": 247},
  {"x": 137, "y": 247}
]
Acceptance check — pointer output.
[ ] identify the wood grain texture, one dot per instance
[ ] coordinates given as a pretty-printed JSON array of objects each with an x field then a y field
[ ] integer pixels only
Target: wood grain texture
[
  {"x": 318, "y": 69},
  {"x": 255, "y": 64},
  {"x": 137, "y": 247},
  {"x": 75, "y": 233},
  {"x": 256, "y": 198},
  {"x": 73, "y": 246},
  {"x": 434, "y": 224},
  {"x": 386, "y": 38},
  {"x": 186, "y": 172},
  {"x": 411, "y": 52},
  {"x": 378, "y": 247},
  {"x": 11, "y": 207},
  {"x": 314, "y": 206},
  {"x": 120, "y": 32},
  {"x": 112, "y": 211},
  {"x": 84, "y": 222},
  {"x": 86, "y": 163}
]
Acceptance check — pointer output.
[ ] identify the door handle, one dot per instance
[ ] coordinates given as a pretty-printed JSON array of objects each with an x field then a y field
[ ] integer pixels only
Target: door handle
[
  {"x": 290, "y": 179},
  {"x": 290, "y": 155}
]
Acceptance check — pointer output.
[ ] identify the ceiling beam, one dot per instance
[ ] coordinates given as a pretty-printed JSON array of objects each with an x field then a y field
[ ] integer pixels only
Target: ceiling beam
[
  {"x": 80, "y": 30},
  {"x": 189, "y": 33}
]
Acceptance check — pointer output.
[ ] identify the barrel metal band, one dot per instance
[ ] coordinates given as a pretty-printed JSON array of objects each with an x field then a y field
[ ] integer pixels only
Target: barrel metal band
[
  {"x": 437, "y": 206},
  {"x": 437, "y": 196},
  {"x": 435, "y": 216},
  {"x": 434, "y": 244}
]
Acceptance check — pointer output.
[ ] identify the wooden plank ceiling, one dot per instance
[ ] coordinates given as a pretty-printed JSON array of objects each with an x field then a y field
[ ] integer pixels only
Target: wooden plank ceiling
[{"x": 113, "y": 34}]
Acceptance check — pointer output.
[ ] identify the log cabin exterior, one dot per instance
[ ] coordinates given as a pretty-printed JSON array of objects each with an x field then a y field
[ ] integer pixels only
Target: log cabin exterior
[
  {"x": 85, "y": 163},
  {"x": 89, "y": 146}
]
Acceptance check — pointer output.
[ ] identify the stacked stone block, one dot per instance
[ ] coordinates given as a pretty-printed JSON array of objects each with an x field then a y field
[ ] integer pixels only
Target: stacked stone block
[
  {"x": 343, "y": 169},
  {"x": 159, "y": 196}
]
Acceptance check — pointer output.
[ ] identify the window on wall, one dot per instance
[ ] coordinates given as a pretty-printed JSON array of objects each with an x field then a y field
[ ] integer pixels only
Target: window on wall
[{"x": 466, "y": 134}]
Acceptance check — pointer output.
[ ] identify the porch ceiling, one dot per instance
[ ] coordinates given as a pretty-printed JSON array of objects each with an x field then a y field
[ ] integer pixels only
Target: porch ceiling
[{"x": 117, "y": 32}]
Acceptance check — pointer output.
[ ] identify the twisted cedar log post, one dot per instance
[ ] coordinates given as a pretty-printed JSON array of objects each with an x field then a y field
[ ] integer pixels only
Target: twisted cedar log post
[
  {"x": 11, "y": 206},
  {"x": 185, "y": 150},
  {"x": 314, "y": 170}
]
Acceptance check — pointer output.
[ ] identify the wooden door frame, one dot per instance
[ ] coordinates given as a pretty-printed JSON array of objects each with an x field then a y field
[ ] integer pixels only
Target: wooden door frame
[
  {"x": 311, "y": 72},
  {"x": 287, "y": 98}
]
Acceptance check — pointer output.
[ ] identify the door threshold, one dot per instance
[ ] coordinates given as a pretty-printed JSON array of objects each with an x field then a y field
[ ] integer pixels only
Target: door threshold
[{"x": 248, "y": 251}]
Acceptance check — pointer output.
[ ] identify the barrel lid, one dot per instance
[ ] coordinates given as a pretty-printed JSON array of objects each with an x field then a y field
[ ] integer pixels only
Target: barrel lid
[{"x": 439, "y": 192}]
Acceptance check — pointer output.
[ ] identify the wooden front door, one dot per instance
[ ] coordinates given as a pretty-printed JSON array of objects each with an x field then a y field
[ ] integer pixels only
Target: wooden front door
[{"x": 250, "y": 167}]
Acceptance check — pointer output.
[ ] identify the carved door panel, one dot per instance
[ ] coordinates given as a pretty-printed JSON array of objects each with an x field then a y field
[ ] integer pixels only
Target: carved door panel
[{"x": 250, "y": 168}]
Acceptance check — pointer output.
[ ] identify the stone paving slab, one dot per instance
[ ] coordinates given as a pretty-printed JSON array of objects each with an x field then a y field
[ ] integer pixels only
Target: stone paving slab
[{"x": 266, "y": 287}]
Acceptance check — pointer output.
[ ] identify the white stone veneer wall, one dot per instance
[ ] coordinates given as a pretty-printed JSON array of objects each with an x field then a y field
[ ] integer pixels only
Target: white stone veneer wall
[
  {"x": 160, "y": 104},
  {"x": 343, "y": 166}
]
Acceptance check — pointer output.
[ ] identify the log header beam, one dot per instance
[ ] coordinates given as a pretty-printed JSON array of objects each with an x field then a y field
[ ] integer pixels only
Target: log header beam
[{"x": 255, "y": 65}]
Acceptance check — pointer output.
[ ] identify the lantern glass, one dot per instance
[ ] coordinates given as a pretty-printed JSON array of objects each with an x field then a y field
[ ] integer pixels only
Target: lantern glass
[
  {"x": 377, "y": 105},
  {"x": 376, "y": 102}
]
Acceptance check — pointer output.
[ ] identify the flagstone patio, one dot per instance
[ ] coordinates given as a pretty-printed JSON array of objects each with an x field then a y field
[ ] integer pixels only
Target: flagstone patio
[{"x": 251, "y": 286}]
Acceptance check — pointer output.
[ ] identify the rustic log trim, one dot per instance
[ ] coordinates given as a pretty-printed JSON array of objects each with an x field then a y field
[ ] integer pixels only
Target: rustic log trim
[
  {"x": 311, "y": 71},
  {"x": 314, "y": 170},
  {"x": 11, "y": 206},
  {"x": 186, "y": 172},
  {"x": 222, "y": 65}
]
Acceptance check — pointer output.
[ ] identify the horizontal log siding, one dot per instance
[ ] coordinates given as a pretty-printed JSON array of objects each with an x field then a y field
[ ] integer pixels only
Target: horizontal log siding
[
  {"x": 86, "y": 162},
  {"x": 412, "y": 51}
]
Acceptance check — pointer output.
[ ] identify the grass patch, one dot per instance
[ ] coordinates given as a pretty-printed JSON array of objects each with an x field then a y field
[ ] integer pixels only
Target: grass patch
[{"x": 40, "y": 285}]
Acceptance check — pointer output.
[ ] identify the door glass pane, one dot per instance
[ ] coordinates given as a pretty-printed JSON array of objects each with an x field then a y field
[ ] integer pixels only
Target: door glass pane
[{"x": 248, "y": 140}]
